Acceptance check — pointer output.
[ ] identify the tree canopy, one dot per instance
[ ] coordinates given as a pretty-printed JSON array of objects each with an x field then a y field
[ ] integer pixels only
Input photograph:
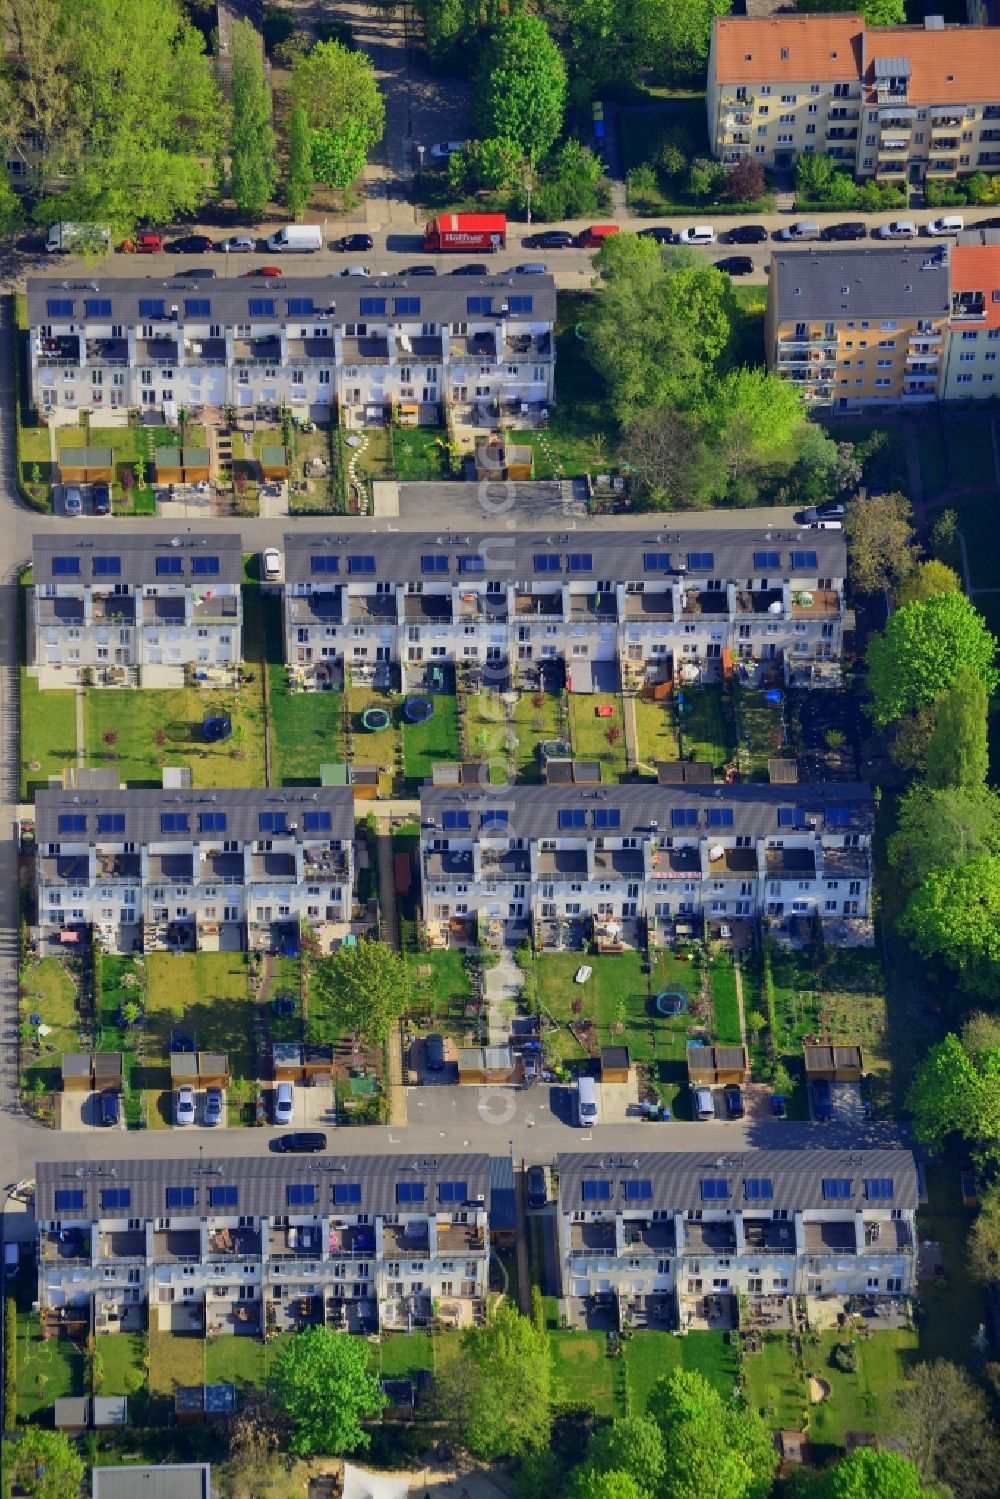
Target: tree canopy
[
  {"x": 879, "y": 532},
  {"x": 954, "y": 1093},
  {"x": 521, "y": 86},
  {"x": 938, "y": 830},
  {"x": 926, "y": 579},
  {"x": 982, "y": 1250},
  {"x": 946, "y": 1426},
  {"x": 345, "y": 111},
  {"x": 921, "y": 652},
  {"x": 252, "y": 144},
  {"x": 508, "y": 1354},
  {"x": 957, "y": 751},
  {"x": 713, "y": 1450},
  {"x": 954, "y": 915},
  {"x": 364, "y": 989},
  {"x": 323, "y": 1381},
  {"x": 45, "y": 1464},
  {"x": 867, "y": 1474},
  {"x": 633, "y": 1446},
  {"x": 875, "y": 12}
]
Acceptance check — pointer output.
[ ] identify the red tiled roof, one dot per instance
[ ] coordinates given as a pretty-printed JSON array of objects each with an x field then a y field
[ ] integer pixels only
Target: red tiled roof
[
  {"x": 959, "y": 65},
  {"x": 799, "y": 48},
  {"x": 977, "y": 268}
]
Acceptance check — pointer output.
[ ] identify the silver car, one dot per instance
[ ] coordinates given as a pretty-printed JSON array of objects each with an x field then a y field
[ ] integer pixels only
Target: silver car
[
  {"x": 184, "y": 1107},
  {"x": 240, "y": 244},
  {"x": 213, "y": 1106}
]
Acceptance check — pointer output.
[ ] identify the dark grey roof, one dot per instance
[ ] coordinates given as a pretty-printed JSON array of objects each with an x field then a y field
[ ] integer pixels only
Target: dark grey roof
[
  {"x": 261, "y": 1183},
  {"x": 657, "y": 553},
  {"x": 143, "y": 811},
  {"x": 503, "y": 1201},
  {"x": 137, "y": 553},
  {"x": 870, "y": 283},
  {"x": 442, "y": 299},
  {"x": 796, "y": 1176},
  {"x": 164, "y": 1481},
  {"x": 533, "y": 811}
]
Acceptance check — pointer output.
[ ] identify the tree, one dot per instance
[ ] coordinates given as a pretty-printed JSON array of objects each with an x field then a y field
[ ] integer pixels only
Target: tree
[
  {"x": 11, "y": 209},
  {"x": 344, "y": 109},
  {"x": 942, "y": 830},
  {"x": 323, "y": 1382},
  {"x": 254, "y": 1435},
  {"x": 713, "y": 1450},
  {"x": 45, "y": 1464},
  {"x": 365, "y": 989},
  {"x": 946, "y": 1427},
  {"x": 875, "y": 12},
  {"x": 954, "y": 915},
  {"x": 339, "y": 156},
  {"x": 508, "y": 1354},
  {"x": 879, "y": 533},
  {"x": 251, "y": 141},
  {"x": 756, "y": 413},
  {"x": 495, "y": 163},
  {"x": 521, "y": 86},
  {"x": 868, "y": 1474},
  {"x": 953, "y": 1093},
  {"x": 921, "y": 651},
  {"x": 299, "y": 175},
  {"x": 820, "y": 178},
  {"x": 675, "y": 467},
  {"x": 632, "y": 1446},
  {"x": 745, "y": 182},
  {"x": 957, "y": 752},
  {"x": 926, "y": 579},
  {"x": 982, "y": 1248},
  {"x": 604, "y": 1483}
]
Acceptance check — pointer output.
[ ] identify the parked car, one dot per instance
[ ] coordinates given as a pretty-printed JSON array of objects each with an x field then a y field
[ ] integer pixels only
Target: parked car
[
  {"x": 190, "y": 244},
  {"x": 284, "y": 1103},
  {"x": 239, "y": 244},
  {"x": 779, "y": 1107},
  {"x": 531, "y": 1067},
  {"x": 301, "y": 1141},
  {"x": 444, "y": 149},
  {"x": 143, "y": 244},
  {"x": 702, "y": 1103},
  {"x": 471, "y": 270},
  {"x": 986, "y": 224},
  {"x": 270, "y": 564},
  {"x": 184, "y": 1105},
  {"x": 658, "y": 232},
  {"x": 357, "y": 270},
  {"x": 733, "y": 1095},
  {"x": 801, "y": 230},
  {"x": 549, "y": 239},
  {"x": 853, "y": 229},
  {"x": 198, "y": 273},
  {"x": 100, "y": 496},
  {"x": 538, "y": 1192},
  {"x": 948, "y": 223},
  {"x": 72, "y": 502},
  {"x": 822, "y": 1097},
  {"x": 111, "y": 1109},
  {"x": 434, "y": 1053},
  {"x": 897, "y": 229},
  {"x": 831, "y": 510},
  {"x": 530, "y": 268},
  {"x": 266, "y": 270},
  {"x": 420, "y": 270},
  {"x": 747, "y": 234},
  {"x": 214, "y": 1106},
  {"x": 735, "y": 265},
  {"x": 354, "y": 242},
  {"x": 697, "y": 234}
]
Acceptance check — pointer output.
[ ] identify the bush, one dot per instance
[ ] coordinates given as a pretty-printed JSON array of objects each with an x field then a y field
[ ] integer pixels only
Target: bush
[{"x": 845, "y": 1357}]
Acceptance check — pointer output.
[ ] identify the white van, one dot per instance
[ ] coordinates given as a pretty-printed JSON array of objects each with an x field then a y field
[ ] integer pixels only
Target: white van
[
  {"x": 697, "y": 234},
  {"x": 803, "y": 229},
  {"x": 949, "y": 223},
  {"x": 586, "y": 1102},
  {"x": 702, "y": 1105},
  {"x": 307, "y": 238}
]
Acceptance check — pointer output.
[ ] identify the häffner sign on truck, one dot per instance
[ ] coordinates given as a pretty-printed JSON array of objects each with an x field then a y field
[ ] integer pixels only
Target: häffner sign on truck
[{"x": 466, "y": 231}]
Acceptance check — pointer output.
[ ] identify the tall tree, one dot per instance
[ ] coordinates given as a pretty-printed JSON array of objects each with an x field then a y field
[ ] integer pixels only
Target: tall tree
[
  {"x": 957, "y": 753},
  {"x": 982, "y": 1249},
  {"x": 45, "y": 1464},
  {"x": 946, "y": 1427},
  {"x": 37, "y": 90},
  {"x": 953, "y": 1093},
  {"x": 521, "y": 86},
  {"x": 299, "y": 174},
  {"x": 879, "y": 532},
  {"x": 756, "y": 413},
  {"x": 942, "y": 830},
  {"x": 921, "y": 651},
  {"x": 713, "y": 1450},
  {"x": 363, "y": 989},
  {"x": 954, "y": 915},
  {"x": 868, "y": 1474},
  {"x": 323, "y": 1381},
  {"x": 337, "y": 88},
  {"x": 588, "y": 1482},
  {"x": 631, "y": 1445},
  {"x": 926, "y": 579},
  {"x": 875, "y": 12},
  {"x": 254, "y": 1435},
  {"x": 508, "y": 1354},
  {"x": 251, "y": 142}
]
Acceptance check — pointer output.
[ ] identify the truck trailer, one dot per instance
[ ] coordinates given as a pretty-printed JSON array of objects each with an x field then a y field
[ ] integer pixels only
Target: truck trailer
[{"x": 466, "y": 231}]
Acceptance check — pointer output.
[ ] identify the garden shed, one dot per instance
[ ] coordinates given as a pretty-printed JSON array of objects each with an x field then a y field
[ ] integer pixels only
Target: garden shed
[
  {"x": 712, "y": 1066},
  {"x": 274, "y": 462},
  {"x": 182, "y": 465},
  {"x": 107, "y": 1070},
  {"x": 202, "y": 1069},
  {"x": 86, "y": 465},
  {"x": 76, "y": 1072},
  {"x": 615, "y": 1064},
  {"x": 835, "y": 1064},
  {"x": 487, "y": 1064}
]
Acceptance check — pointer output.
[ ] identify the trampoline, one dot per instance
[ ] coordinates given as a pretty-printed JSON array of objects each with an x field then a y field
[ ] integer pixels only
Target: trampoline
[
  {"x": 418, "y": 709},
  {"x": 375, "y": 719},
  {"x": 671, "y": 1002},
  {"x": 217, "y": 728}
]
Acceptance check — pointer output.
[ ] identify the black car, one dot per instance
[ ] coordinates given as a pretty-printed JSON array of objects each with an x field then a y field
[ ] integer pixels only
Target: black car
[
  {"x": 854, "y": 229},
  {"x": 735, "y": 265},
  {"x": 420, "y": 270},
  {"x": 550, "y": 239},
  {"x": 110, "y": 1108},
  {"x": 190, "y": 244},
  {"x": 199, "y": 273},
  {"x": 471, "y": 270},
  {"x": 538, "y": 1192},
  {"x": 354, "y": 242},
  {"x": 986, "y": 224},
  {"x": 822, "y": 1099},
  {"x": 779, "y": 1107},
  {"x": 100, "y": 494},
  {"x": 301, "y": 1141},
  {"x": 733, "y": 1095},
  {"x": 434, "y": 1053},
  {"x": 660, "y": 233},
  {"x": 748, "y": 234}
]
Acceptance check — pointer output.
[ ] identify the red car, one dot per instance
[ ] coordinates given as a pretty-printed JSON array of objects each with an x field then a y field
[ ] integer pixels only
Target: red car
[
  {"x": 265, "y": 270},
  {"x": 143, "y": 244}
]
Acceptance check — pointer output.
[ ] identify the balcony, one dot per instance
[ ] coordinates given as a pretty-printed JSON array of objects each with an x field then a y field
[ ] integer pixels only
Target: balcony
[
  {"x": 352, "y": 1239},
  {"x": 764, "y": 1234},
  {"x": 943, "y": 168},
  {"x": 157, "y": 353},
  {"x": 409, "y": 1240},
  {"x": 592, "y": 1238},
  {"x": 518, "y": 346},
  {"x": 704, "y": 601},
  {"x": 473, "y": 348},
  {"x": 593, "y": 606},
  {"x": 107, "y": 353},
  {"x": 316, "y": 608},
  {"x": 623, "y": 863},
  {"x": 171, "y": 869},
  {"x": 63, "y": 869},
  {"x": 676, "y": 863},
  {"x": 427, "y": 608},
  {"x": 759, "y": 601},
  {"x": 888, "y": 1236},
  {"x": 790, "y": 863},
  {"x": 164, "y": 609},
  {"x": 225, "y": 1243},
  {"x": 896, "y": 125},
  {"x": 642, "y": 1238},
  {"x": 263, "y": 350},
  {"x": 222, "y": 868},
  {"x": 177, "y": 1246},
  {"x": 945, "y": 146},
  {"x": 948, "y": 121},
  {"x": 69, "y": 1246},
  {"x": 562, "y": 863},
  {"x": 224, "y": 607},
  {"x": 825, "y": 602},
  {"x": 709, "y": 1238},
  {"x": 421, "y": 348},
  {"x": 119, "y": 608},
  {"x": 127, "y": 1247},
  {"x": 117, "y": 866},
  {"x": 204, "y": 353},
  {"x": 893, "y": 147},
  {"x": 275, "y": 864},
  {"x": 61, "y": 352},
  {"x": 490, "y": 608},
  {"x": 460, "y": 1238},
  {"x": 504, "y": 863},
  {"x": 372, "y": 606},
  {"x": 733, "y": 863},
  {"x": 449, "y": 864},
  {"x": 841, "y": 133},
  {"x": 890, "y": 168},
  {"x": 59, "y": 611},
  {"x": 295, "y": 1242},
  {"x": 316, "y": 352},
  {"x": 324, "y": 864},
  {"x": 829, "y": 1238},
  {"x": 370, "y": 350},
  {"x": 649, "y": 605},
  {"x": 541, "y": 605}
]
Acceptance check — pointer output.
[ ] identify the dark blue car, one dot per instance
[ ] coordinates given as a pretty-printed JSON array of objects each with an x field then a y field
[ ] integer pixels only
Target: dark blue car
[{"x": 822, "y": 1100}]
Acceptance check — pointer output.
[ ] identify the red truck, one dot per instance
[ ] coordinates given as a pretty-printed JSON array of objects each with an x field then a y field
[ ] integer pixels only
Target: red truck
[{"x": 466, "y": 231}]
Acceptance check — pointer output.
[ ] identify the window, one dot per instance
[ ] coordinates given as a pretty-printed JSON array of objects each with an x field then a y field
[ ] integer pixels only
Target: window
[
  {"x": 106, "y": 567},
  {"x": 767, "y": 561},
  {"x": 59, "y": 306},
  {"x": 272, "y": 822},
  {"x": 684, "y": 817},
  {"x": 169, "y": 567},
  {"x": 151, "y": 307},
  {"x": 373, "y": 306},
  {"x": 361, "y": 566},
  {"x": 656, "y": 562},
  {"x": 324, "y": 564},
  {"x": 300, "y": 306},
  {"x": 607, "y": 817},
  {"x": 454, "y": 821},
  {"x": 180, "y": 1197},
  {"x": 457, "y": 1191},
  {"x": 205, "y": 567},
  {"x": 836, "y": 1188},
  {"x": 116, "y": 1197},
  {"x": 347, "y": 1194},
  {"x": 640, "y": 1190},
  {"x": 111, "y": 822},
  {"x": 701, "y": 561},
  {"x": 434, "y": 562},
  {"x": 173, "y": 822},
  {"x": 720, "y": 817},
  {"x": 407, "y": 306},
  {"x": 471, "y": 562},
  {"x": 478, "y": 305},
  {"x": 580, "y": 562},
  {"x": 521, "y": 303},
  {"x": 223, "y": 1197},
  {"x": 879, "y": 1188},
  {"x": 317, "y": 822},
  {"x": 69, "y": 1199},
  {"x": 409, "y": 1192},
  {"x": 491, "y": 822},
  {"x": 758, "y": 1189},
  {"x": 572, "y": 817},
  {"x": 300, "y": 1194},
  {"x": 714, "y": 1189},
  {"x": 65, "y": 567},
  {"x": 596, "y": 1189},
  {"x": 261, "y": 306},
  {"x": 546, "y": 562},
  {"x": 97, "y": 306},
  {"x": 804, "y": 559},
  {"x": 72, "y": 822}
]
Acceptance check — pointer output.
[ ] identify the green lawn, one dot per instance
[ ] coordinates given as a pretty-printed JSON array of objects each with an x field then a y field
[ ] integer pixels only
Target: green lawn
[
  {"x": 205, "y": 995},
  {"x": 582, "y": 1369},
  {"x": 760, "y": 734},
  {"x": 441, "y": 989},
  {"x": 727, "y": 1013},
  {"x": 419, "y": 452},
  {"x": 48, "y": 734},
  {"x": 110, "y": 1036},
  {"x": 977, "y": 515},
  {"x": 581, "y": 429},
  {"x": 537, "y": 717},
  {"x": 176, "y": 1359},
  {"x": 864, "y": 1401},
  {"x": 617, "y": 993},
  {"x": 775, "y": 1387},
  {"x": 122, "y": 1355},
  {"x": 484, "y": 733},
  {"x": 306, "y": 730},
  {"x": 589, "y": 734},
  {"x": 233, "y": 1360},
  {"x": 648, "y": 1355},
  {"x": 50, "y": 990},
  {"x": 180, "y": 712},
  {"x": 381, "y": 747},
  {"x": 437, "y": 739},
  {"x": 404, "y": 1355},
  {"x": 46, "y": 1369},
  {"x": 706, "y": 732},
  {"x": 656, "y": 733}
]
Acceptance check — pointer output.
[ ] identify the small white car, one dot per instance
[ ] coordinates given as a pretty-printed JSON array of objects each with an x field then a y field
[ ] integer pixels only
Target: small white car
[
  {"x": 240, "y": 244},
  {"x": 949, "y": 223},
  {"x": 72, "y": 502},
  {"x": 697, "y": 234},
  {"x": 444, "y": 149},
  {"x": 184, "y": 1107},
  {"x": 357, "y": 270},
  {"x": 271, "y": 565},
  {"x": 897, "y": 229},
  {"x": 284, "y": 1100}
]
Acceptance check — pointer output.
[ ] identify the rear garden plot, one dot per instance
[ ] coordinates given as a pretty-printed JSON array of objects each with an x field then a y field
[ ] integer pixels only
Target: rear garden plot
[
  {"x": 51, "y": 993},
  {"x": 706, "y": 727},
  {"x": 48, "y": 734},
  {"x": 164, "y": 727},
  {"x": 579, "y": 435},
  {"x": 122, "y": 1358},
  {"x": 205, "y": 997},
  {"x": 599, "y": 738},
  {"x": 381, "y": 747},
  {"x": 761, "y": 733},
  {"x": 435, "y": 739},
  {"x": 120, "y": 1026},
  {"x": 582, "y": 1370},
  {"x": 47, "y": 1368},
  {"x": 442, "y": 992},
  {"x": 306, "y": 730},
  {"x": 656, "y": 733},
  {"x": 649, "y": 1355}
]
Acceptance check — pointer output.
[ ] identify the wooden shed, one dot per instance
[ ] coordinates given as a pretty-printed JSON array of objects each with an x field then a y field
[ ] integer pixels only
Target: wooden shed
[
  {"x": 72, "y": 1413},
  {"x": 461, "y": 773},
  {"x": 503, "y": 1202},
  {"x": 559, "y": 772},
  {"x": 274, "y": 462},
  {"x": 202, "y": 1069},
  {"x": 76, "y": 1071},
  {"x": 182, "y": 465},
  {"x": 713, "y": 1065},
  {"x": 317, "y": 1061},
  {"x": 107, "y": 1070},
  {"x": 615, "y": 1064},
  {"x": 189, "y": 1404},
  {"x": 363, "y": 780},
  {"x": 487, "y": 1064},
  {"x": 109, "y": 1410},
  {"x": 499, "y": 459},
  {"x": 683, "y": 773},
  {"x": 86, "y": 465},
  {"x": 835, "y": 1064}
]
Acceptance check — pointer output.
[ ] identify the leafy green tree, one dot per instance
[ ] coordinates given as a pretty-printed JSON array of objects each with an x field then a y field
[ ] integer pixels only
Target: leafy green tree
[
  {"x": 346, "y": 112},
  {"x": 943, "y": 830},
  {"x": 925, "y": 580},
  {"x": 868, "y": 1474},
  {"x": 705, "y": 177},
  {"x": 571, "y": 184},
  {"x": 37, "y": 98},
  {"x": 339, "y": 156},
  {"x": 820, "y": 178},
  {"x": 45, "y": 1464},
  {"x": 11, "y": 209},
  {"x": 954, "y": 915},
  {"x": 713, "y": 1450},
  {"x": 945, "y": 1424},
  {"x": 508, "y": 1354},
  {"x": 982, "y": 1249},
  {"x": 632, "y": 1445},
  {"x": 364, "y": 989},
  {"x": 605, "y": 1483},
  {"x": 494, "y": 163},
  {"x": 957, "y": 753},
  {"x": 953, "y": 1093},
  {"x": 875, "y": 12},
  {"x": 521, "y": 86},
  {"x": 757, "y": 413},
  {"x": 299, "y": 175},
  {"x": 251, "y": 143},
  {"x": 879, "y": 533},
  {"x": 921, "y": 651},
  {"x": 323, "y": 1382}
]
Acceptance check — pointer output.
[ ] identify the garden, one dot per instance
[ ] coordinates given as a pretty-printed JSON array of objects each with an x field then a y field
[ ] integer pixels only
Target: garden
[
  {"x": 48, "y": 734},
  {"x": 599, "y": 735},
  {"x": 206, "y": 997},
  {"x": 164, "y": 727},
  {"x": 52, "y": 1021}
]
